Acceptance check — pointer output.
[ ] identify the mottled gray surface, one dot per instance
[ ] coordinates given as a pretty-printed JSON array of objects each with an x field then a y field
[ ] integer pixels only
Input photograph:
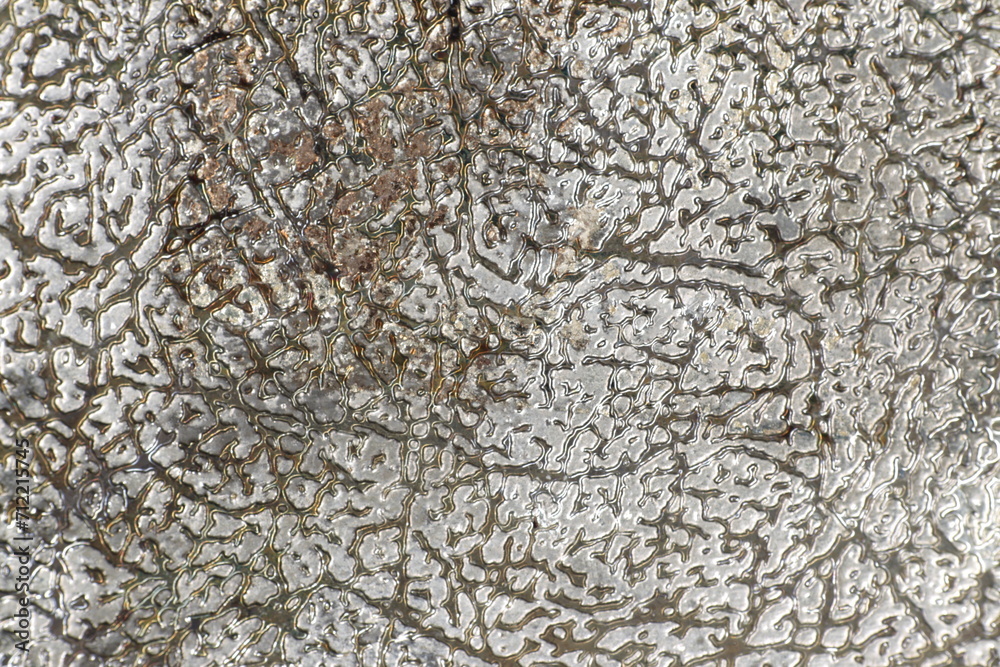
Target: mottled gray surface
[{"x": 486, "y": 332}]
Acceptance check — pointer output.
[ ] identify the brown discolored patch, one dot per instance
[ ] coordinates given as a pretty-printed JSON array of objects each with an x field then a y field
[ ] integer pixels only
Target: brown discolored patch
[
  {"x": 318, "y": 236},
  {"x": 333, "y": 131},
  {"x": 372, "y": 121},
  {"x": 220, "y": 76},
  {"x": 255, "y": 228},
  {"x": 353, "y": 207},
  {"x": 424, "y": 144},
  {"x": 392, "y": 185},
  {"x": 438, "y": 217},
  {"x": 300, "y": 149},
  {"x": 213, "y": 173},
  {"x": 356, "y": 255},
  {"x": 450, "y": 167}
]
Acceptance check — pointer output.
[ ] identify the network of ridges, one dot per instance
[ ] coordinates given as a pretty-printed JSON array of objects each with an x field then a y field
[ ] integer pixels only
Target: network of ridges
[{"x": 474, "y": 332}]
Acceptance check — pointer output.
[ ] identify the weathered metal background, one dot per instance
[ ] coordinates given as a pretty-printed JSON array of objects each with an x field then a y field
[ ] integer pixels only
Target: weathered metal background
[{"x": 385, "y": 333}]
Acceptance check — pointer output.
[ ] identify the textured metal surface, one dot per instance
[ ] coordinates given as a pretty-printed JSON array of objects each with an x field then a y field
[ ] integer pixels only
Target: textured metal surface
[{"x": 502, "y": 333}]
